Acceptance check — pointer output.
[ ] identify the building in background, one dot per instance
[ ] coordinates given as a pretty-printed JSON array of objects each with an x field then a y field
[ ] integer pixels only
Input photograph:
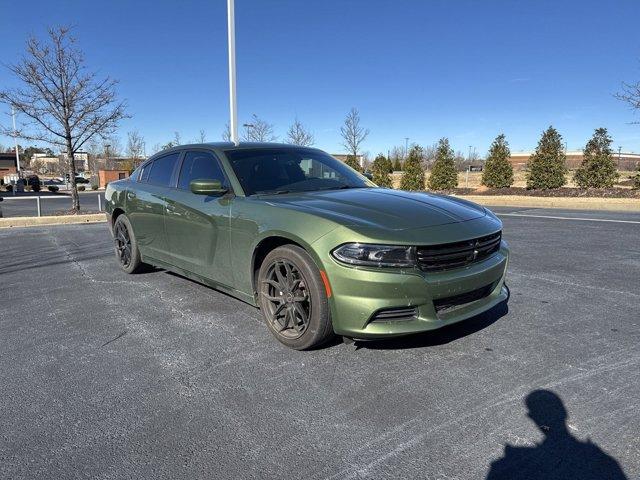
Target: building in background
[
  {"x": 44, "y": 163},
  {"x": 8, "y": 164},
  {"x": 80, "y": 159},
  {"x": 626, "y": 161}
]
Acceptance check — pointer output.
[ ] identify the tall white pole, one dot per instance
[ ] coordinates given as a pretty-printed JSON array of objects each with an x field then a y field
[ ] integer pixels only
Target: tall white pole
[
  {"x": 15, "y": 138},
  {"x": 233, "y": 107}
]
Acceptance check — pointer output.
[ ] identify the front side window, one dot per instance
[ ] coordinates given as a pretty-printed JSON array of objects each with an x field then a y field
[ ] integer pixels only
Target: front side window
[
  {"x": 162, "y": 169},
  {"x": 200, "y": 165},
  {"x": 143, "y": 173},
  {"x": 284, "y": 170}
]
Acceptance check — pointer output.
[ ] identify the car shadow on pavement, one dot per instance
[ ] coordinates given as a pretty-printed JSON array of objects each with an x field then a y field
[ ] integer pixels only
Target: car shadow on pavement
[
  {"x": 442, "y": 335},
  {"x": 560, "y": 456}
]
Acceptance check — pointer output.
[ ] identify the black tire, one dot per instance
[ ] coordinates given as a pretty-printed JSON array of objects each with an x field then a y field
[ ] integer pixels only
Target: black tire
[
  {"x": 285, "y": 303},
  {"x": 126, "y": 246}
]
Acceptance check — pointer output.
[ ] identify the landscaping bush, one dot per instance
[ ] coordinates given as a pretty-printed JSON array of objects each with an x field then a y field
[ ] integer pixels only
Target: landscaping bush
[
  {"x": 546, "y": 168},
  {"x": 498, "y": 171},
  {"x": 53, "y": 188},
  {"x": 381, "y": 168},
  {"x": 81, "y": 188},
  {"x": 8, "y": 187},
  {"x": 636, "y": 179},
  {"x": 444, "y": 175},
  {"x": 94, "y": 187},
  {"x": 598, "y": 170},
  {"x": 413, "y": 178}
]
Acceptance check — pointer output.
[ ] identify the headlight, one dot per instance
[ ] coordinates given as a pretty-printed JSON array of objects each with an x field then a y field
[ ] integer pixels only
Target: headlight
[{"x": 375, "y": 255}]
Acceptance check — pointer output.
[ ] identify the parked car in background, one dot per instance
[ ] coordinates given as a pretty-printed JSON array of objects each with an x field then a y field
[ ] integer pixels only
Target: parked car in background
[
  {"x": 317, "y": 246},
  {"x": 82, "y": 180}
]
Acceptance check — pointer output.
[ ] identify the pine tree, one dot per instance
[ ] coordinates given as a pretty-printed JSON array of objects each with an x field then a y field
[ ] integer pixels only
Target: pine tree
[
  {"x": 444, "y": 175},
  {"x": 413, "y": 178},
  {"x": 636, "y": 179},
  {"x": 397, "y": 166},
  {"x": 598, "y": 169},
  {"x": 352, "y": 161},
  {"x": 498, "y": 171},
  {"x": 381, "y": 169},
  {"x": 546, "y": 168}
]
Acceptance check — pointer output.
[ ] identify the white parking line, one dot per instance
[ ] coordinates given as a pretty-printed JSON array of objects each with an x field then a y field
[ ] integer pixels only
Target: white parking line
[{"x": 585, "y": 219}]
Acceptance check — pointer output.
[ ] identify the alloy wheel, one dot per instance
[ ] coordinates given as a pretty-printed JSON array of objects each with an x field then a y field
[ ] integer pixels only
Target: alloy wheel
[
  {"x": 123, "y": 244},
  {"x": 288, "y": 300}
]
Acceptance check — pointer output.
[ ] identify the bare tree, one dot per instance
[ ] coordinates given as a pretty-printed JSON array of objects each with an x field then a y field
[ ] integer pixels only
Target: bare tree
[
  {"x": 202, "y": 138},
  {"x": 353, "y": 135},
  {"x": 299, "y": 135},
  {"x": 111, "y": 146},
  {"x": 259, "y": 131},
  {"x": 65, "y": 105},
  {"x": 135, "y": 147},
  {"x": 177, "y": 139},
  {"x": 630, "y": 94},
  {"x": 226, "y": 133}
]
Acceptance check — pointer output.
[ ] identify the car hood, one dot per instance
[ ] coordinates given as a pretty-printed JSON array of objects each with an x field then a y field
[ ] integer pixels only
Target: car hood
[{"x": 380, "y": 207}]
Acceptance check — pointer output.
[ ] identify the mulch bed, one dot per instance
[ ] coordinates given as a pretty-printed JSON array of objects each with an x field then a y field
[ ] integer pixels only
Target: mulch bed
[{"x": 558, "y": 192}]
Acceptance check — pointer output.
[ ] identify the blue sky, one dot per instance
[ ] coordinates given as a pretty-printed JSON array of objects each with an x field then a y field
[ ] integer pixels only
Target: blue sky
[{"x": 467, "y": 70}]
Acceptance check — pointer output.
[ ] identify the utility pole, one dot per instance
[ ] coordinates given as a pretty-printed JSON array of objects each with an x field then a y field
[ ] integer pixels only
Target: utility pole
[
  {"x": 619, "y": 150},
  {"x": 15, "y": 140},
  {"x": 233, "y": 107},
  {"x": 406, "y": 147}
]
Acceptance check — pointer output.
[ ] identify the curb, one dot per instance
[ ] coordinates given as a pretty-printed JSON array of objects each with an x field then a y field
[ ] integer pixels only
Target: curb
[
  {"x": 14, "y": 222},
  {"x": 569, "y": 203}
]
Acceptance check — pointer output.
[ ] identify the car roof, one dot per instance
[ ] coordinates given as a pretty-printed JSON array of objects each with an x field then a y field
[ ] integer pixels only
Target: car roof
[{"x": 227, "y": 146}]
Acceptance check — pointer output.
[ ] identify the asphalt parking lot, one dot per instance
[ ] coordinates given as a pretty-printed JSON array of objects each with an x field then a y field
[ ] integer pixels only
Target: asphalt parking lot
[
  {"x": 154, "y": 376},
  {"x": 18, "y": 206}
]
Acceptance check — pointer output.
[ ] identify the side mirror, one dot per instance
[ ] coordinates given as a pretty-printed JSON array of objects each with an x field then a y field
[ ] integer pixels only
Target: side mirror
[
  {"x": 368, "y": 175},
  {"x": 207, "y": 187}
]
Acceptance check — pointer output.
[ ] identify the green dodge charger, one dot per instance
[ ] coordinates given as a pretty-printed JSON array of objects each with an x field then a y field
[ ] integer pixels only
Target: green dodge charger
[{"x": 317, "y": 246}]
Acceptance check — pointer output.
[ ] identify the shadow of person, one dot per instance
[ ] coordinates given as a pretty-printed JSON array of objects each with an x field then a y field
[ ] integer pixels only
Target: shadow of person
[{"x": 560, "y": 455}]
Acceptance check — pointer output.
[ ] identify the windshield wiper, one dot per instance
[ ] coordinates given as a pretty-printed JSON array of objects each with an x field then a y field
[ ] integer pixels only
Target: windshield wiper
[{"x": 342, "y": 187}]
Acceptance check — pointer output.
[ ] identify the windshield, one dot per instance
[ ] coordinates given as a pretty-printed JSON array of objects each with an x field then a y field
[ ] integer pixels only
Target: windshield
[{"x": 284, "y": 170}]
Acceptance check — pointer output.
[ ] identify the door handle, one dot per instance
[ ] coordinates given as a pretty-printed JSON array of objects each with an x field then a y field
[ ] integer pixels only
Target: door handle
[
  {"x": 131, "y": 195},
  {"x": 170, "y": 208}
]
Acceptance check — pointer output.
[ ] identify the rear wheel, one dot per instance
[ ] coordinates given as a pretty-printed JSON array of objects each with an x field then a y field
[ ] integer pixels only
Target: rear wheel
[
  {"x": 126, "y": 246},
  {"x": 293, "y": 299}
]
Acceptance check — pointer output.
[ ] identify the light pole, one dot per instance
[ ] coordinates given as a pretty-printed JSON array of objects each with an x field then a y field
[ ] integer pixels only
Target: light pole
[
  {"x": 233, "y": 106},
  {"x": 248, "y": 126},
  {"x": 15, "y": 140},
  {"x": 406, "y": 147}
]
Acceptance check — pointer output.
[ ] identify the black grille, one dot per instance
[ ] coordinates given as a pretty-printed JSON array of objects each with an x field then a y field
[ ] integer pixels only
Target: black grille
[
  {"x": 459, "y": 254},
  {"x": 443, "y": 304},
  {"x": 395, "y": 314}
]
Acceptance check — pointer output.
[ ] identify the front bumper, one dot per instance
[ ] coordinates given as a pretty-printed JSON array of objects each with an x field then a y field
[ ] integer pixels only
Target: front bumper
[{"x": 358, "y": 293}]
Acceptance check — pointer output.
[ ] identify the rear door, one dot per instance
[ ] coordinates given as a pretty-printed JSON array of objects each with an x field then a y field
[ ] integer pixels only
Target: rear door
[
  {"x": 147, "y": 202},
  {"x": 197, "y": 226}
]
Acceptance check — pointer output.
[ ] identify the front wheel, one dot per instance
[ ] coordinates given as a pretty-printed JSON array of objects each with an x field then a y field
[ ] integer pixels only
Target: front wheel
[
  {"x": 126, "y": 246},
  {"x": 293, "y": 299}
]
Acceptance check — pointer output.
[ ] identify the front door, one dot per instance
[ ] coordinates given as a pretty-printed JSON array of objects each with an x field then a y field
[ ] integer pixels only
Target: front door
[{"x": 197, "y": 226}]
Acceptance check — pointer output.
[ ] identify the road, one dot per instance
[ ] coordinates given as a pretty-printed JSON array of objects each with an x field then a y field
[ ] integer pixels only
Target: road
[
  {"x": 154, "y": 376},
  {"x": 50, "y": 204}
]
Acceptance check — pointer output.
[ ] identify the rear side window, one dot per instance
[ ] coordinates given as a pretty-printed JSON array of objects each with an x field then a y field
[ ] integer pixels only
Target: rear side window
[
  {"x": 200, "y": 165},
  {"x": 162, "y": 169}
]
